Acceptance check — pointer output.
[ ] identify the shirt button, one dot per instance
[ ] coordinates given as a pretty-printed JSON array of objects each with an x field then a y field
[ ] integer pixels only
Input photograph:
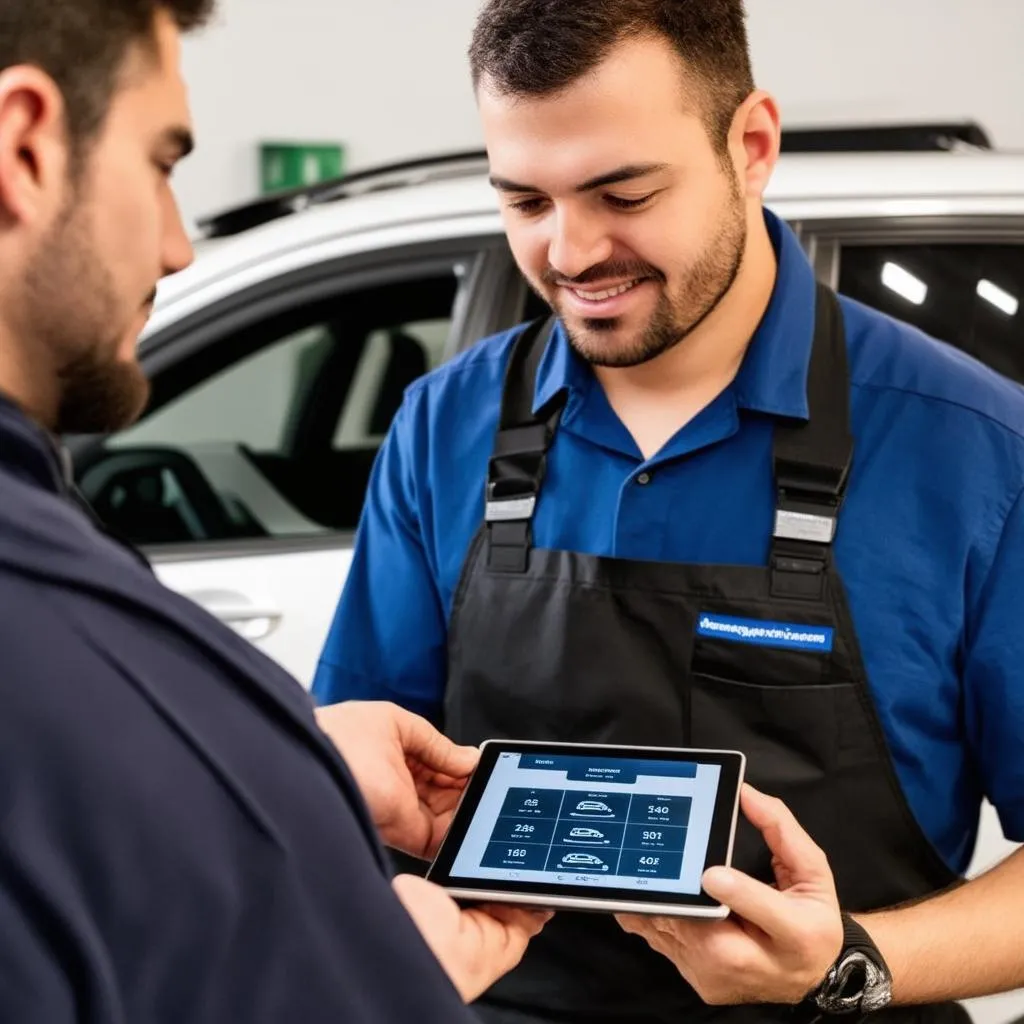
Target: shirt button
[{"x": 643, "y": 479}]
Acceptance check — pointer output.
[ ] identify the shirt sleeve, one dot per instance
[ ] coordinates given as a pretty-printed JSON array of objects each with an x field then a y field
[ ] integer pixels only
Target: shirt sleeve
[
  {"x": 388, "y": 640},
  {"x": 994, "y": 676}
]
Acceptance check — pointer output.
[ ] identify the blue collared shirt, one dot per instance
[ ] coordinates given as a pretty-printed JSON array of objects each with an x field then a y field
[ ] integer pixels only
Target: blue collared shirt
[{"x": 930, "y": 542}]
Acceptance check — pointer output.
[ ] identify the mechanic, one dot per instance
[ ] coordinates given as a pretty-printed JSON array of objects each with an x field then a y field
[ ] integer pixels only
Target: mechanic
[
  {"x": 712, "y": 506},
  {"x": 179, "y": 840}
]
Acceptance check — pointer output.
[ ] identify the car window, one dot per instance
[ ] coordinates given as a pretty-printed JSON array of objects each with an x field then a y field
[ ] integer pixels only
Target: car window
[
  {"x": 271, "y": 430},
  {"x": 422, "y": 344},
  {"x": 222, "y": 407},
  {"x": 966, "y": 294}
]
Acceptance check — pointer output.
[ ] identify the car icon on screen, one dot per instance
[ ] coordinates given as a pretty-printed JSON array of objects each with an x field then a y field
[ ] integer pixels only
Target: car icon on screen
[
  {"x": 593, "y": 808},
  {"x": 579, "y": 834},
  {"x": 586, "y": 860}
]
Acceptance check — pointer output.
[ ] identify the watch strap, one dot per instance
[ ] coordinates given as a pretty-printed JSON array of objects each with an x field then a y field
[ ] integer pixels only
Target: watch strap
[
  {"x": 856, "y": 940},
  {"x": 855, "y": 937}
]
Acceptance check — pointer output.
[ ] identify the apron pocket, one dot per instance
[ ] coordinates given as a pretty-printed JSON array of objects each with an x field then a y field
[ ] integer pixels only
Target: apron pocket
[
  {"x": 791, "y": 738},
  {"x": 763, "y": 666},
  {"x": 788, "y": 733}
]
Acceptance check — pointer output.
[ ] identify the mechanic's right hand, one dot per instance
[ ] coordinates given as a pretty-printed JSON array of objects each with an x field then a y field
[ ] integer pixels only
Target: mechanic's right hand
[{"x": 476, "y": 946}]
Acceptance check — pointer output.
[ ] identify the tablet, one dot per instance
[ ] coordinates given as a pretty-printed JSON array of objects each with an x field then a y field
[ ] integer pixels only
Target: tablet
[{"x": 593, "y": 827}]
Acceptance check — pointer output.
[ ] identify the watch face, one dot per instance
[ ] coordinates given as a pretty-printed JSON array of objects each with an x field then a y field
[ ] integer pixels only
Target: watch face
[{"x": 855, "y": 984}]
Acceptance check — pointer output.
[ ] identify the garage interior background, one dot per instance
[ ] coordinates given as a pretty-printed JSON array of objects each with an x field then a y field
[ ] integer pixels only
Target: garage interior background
[{"x": 390, "y": 78}]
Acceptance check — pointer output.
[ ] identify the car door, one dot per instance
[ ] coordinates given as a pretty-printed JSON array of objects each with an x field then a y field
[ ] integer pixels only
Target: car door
[
  {"x": 959, "y": 279},
  {"x": 244, "y": 480}
]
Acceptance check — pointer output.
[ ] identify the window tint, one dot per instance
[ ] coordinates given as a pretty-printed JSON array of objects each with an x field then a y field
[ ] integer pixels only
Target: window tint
[
  {"x": 272, "y": 430},
  {"x": 390, "y": 361},
  {"x": 251, "y": 400},
  {"x": 967, "y": 295}
]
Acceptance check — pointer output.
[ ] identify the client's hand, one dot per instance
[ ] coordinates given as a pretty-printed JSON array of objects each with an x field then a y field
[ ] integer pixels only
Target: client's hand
[
  {"x": 475, "y": 947},
  {"x": 410, "y": 775}
]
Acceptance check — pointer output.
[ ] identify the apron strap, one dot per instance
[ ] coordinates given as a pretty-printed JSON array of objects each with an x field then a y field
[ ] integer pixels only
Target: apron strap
[
  {"x": 812, "y": 463},
  {"x": 518, "y": 462},
  {"x": 811, "y": 459}
]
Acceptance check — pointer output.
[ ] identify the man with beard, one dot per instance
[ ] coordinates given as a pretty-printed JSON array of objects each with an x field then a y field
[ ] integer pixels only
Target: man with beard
[
  {"x": 704, "y": 507},
  {"x": 179, "y": 840}
]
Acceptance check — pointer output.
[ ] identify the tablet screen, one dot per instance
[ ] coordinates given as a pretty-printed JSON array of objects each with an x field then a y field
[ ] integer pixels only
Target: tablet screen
[{"x": 619, "y": 820}]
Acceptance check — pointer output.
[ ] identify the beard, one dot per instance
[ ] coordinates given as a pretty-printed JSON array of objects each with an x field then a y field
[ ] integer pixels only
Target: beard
[
  {"x": 74, "y": 314},
  {"x": 677, "y": 314},
  {"x": 100, "y": 395}
]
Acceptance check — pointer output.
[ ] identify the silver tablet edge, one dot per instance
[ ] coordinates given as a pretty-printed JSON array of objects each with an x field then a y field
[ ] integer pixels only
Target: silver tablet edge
[
  {"x": 584, "y": 903},
  {"x": 614, "y": 746}
]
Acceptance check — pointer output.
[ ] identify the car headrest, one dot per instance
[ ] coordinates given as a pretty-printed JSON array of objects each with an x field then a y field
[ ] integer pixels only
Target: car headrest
[{"x": 407, "y": 362}]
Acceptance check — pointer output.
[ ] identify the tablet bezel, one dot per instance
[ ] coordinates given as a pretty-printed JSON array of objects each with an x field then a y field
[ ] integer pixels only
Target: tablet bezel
[{"x": 720, "y": 840}]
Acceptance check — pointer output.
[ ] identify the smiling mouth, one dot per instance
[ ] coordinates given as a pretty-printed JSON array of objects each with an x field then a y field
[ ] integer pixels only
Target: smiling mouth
[{"x": 605, "y": 293}]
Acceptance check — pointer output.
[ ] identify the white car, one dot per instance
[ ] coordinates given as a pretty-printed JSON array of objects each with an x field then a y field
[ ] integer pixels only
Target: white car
[
  {"x": 584, "y": 860},
  {"x": 593, "y": 808},
  {"x": 279, "y": 358},
  {"x": 587, "y": 837}
]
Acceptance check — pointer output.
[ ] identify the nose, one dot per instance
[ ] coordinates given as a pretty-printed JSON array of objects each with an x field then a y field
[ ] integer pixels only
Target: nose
[
  {"x": 177, "y": 247},
  {"x": 579, "y": 242}
]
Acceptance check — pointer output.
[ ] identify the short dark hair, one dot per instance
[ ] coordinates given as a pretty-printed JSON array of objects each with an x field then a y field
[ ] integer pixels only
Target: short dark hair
[
  {"x": 539, "y": 47},
  {"x": 82, "y": 45}
]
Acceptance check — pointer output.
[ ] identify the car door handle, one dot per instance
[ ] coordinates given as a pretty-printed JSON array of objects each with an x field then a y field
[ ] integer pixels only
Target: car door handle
[{"x": 254, "y": 622}]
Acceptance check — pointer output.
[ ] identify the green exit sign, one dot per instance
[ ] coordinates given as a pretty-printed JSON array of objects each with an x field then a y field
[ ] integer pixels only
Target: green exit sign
[{"x": 287, "y": 165}]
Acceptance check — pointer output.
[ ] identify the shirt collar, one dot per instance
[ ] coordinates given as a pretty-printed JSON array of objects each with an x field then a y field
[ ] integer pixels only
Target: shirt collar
[
  {"x": 29, "y": 451},
  {"x": 773, "y": 376}
]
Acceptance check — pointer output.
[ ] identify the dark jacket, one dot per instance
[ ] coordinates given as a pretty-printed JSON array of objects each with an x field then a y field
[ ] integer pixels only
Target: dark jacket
[{"x": 179, "y": 843}]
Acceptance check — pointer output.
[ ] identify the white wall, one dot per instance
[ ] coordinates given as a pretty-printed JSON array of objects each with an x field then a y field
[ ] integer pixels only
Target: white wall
[
  {"x": 894, "y": 60},
  {"x": 389, "y": 77}
]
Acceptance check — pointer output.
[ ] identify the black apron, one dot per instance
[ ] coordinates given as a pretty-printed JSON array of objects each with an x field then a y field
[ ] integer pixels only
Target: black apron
[{"x": 555, "y": 645}]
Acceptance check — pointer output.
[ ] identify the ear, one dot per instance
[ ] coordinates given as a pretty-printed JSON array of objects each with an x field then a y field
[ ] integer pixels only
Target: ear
[
  {"x": 33, "y": 145},
  {"x": 754, "y": 142}
]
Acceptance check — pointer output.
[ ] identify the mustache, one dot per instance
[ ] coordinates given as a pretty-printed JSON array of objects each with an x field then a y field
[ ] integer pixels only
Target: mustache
[{"x": 614, "y": 269}]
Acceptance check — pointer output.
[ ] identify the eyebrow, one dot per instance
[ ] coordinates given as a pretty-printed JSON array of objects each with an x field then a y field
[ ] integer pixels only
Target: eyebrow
[
  {"x": 181, "y": 139},
  {"x": 629, "y": 172}
]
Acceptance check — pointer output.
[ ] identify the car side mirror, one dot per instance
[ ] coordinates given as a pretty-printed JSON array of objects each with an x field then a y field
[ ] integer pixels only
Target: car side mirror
[{"x": 154, "y": 496}]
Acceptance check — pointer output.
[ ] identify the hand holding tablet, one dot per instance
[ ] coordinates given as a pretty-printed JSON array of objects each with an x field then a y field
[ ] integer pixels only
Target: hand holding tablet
[{"x": 593, "y": 827}]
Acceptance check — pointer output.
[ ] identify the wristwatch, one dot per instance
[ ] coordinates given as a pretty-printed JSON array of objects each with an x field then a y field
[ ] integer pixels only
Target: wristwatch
[{"x": 859, "y": 982}]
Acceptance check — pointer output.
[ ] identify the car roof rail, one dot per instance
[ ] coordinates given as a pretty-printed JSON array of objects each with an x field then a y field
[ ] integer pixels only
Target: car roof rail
[
  {"x": 886, "y": 138},
  {"x": 374, "y": 179},
  {"x": 446, "y": 166}
]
